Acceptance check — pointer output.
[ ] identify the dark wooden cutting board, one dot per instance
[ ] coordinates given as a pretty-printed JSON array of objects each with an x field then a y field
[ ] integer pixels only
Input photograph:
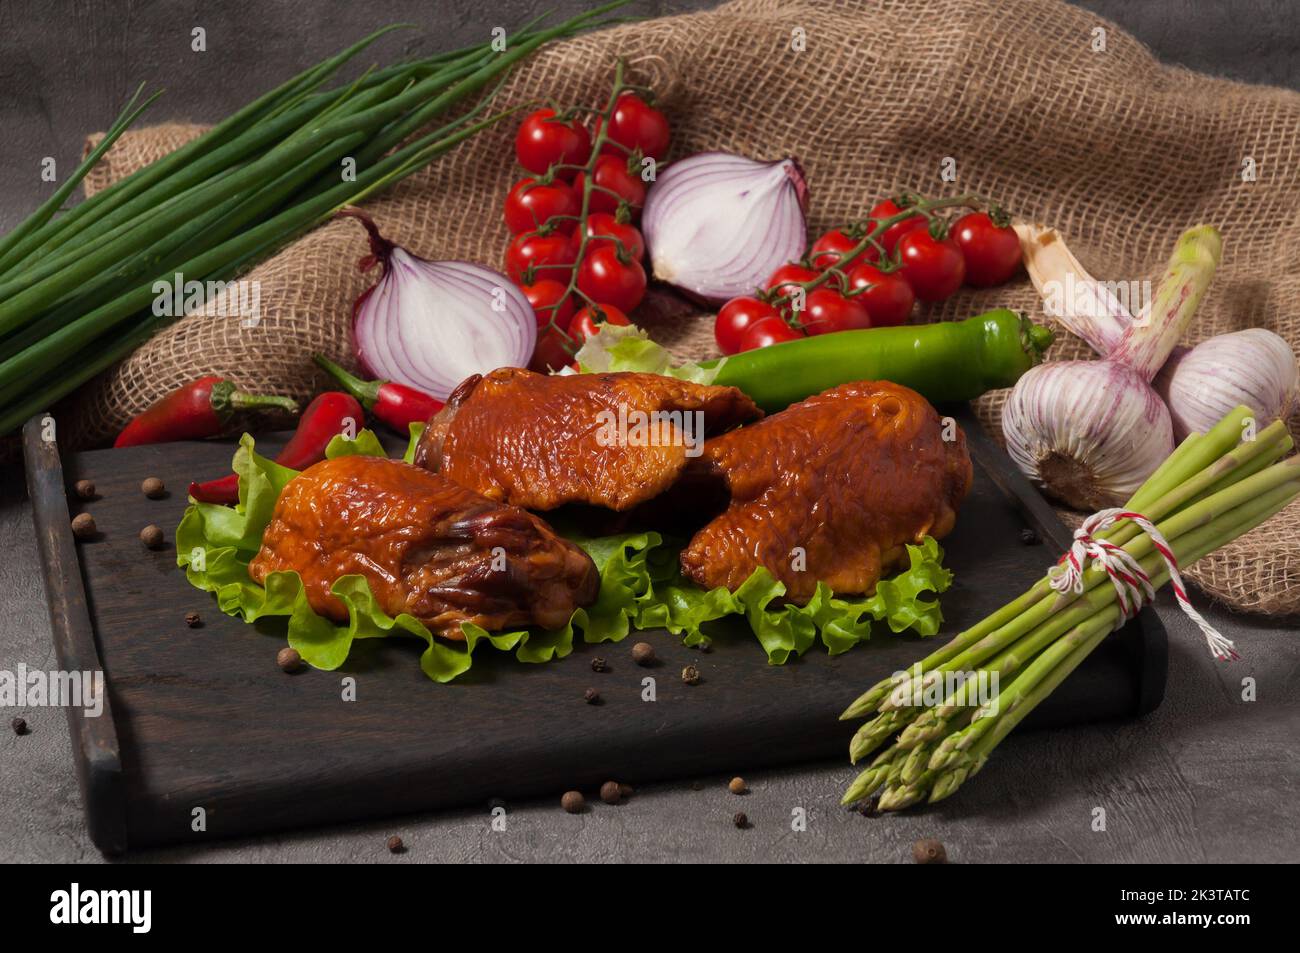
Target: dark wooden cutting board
[{"x": 203, "y": 718}]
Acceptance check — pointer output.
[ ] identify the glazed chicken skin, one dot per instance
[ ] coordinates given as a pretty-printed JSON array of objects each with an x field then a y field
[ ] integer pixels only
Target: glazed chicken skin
[
  {"x": 846, "y": 477},
  {"x": 426, "y": 546},
  {"x": 542, "y": 441}
]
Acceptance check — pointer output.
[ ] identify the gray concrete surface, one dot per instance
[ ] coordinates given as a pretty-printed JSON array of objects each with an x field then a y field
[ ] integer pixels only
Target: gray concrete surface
[{"x": 1208, "y": 777}]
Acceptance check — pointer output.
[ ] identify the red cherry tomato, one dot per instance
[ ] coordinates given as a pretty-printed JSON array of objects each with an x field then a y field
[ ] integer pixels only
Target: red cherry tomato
[
  {"x": 611, "y": 174},
  {"x": 735, "y": 317},
  {"x": 637, "y": 125},
  {"x": 542, "y": 294},
  {"x": 888, "y": 298},
  {"x": 553, "y": 351},
  {"x": 588, "y": 321},
  {"x": 529, "y": 206},
  {"x": 602, "y": 228},
  {"x": 830, "y": 311},
  {"x": 785, "y": 280},
  {"x": 535, "y": 251},
  {"x": 767, "y": 331},
  {"x": 827, "y": 250},
  {"x": 543, "y": 141},
  {"x": 603, "y": 277},
  {"x": 888, "y": 209},
  {"x": 933, "y": 267},
  {"x": 992, "y": 254}
]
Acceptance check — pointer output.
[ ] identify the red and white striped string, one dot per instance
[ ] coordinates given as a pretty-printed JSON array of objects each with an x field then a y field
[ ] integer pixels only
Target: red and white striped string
[{"x": 1132, "y": 585}]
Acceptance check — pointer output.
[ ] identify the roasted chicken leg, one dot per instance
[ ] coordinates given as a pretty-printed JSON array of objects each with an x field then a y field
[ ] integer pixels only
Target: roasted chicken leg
[
  {"x": 539, "y": 441},
  {"x": 427, "y": 547},
  {"x": 829, "y": 489}
]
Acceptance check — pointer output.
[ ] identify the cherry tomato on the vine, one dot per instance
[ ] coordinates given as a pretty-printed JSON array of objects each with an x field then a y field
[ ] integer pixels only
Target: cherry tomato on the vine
[
  {"x": 767, "y": 331},
  {"x": 611, "y": 175},
  {"x": 537, "y": 250},
  {"x": 602, "y": 230},
  {"x": 888, "y": 209},
  {"x": 786, "y": 280},
  {"x": 605, "y": 278},
  {"x": 529, "y": 206},
  {"x": 637, "y": 125},
  {"x": 992, "y": 254},
  {"x": 828, "y": 311},
  {"x": 543, "y": 141},
  {"x": 735, "y": 317},
  {"x": 826, "y": 251},
  {"x": 588, "y": 321},
  {"x": 545, "y": 292},
  {"x": 888, "y": 298},
  {"x": 932, "y": 266},
  {"x": 553, "y": 351}
]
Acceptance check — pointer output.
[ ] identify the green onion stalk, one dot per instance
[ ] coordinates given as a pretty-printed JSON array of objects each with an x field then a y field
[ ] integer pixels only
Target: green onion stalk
[
  {"x": 930, "y": 729},
  {"x": 76, "y": 288}
]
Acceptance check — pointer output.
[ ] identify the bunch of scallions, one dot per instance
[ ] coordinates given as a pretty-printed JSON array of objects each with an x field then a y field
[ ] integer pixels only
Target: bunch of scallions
[
  {"x": 937, "y": 725},
  {"x": 76, "y": 288}
]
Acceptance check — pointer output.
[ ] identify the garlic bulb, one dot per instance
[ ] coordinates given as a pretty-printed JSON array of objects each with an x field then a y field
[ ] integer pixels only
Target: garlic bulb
[
  {"x": 1090, "y": 432},
  {"x": 1252, "y": 367}
]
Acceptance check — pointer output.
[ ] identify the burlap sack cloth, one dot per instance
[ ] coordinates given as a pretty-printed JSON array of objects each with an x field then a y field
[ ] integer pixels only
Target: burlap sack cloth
[{"x": 1117, "y": 151}]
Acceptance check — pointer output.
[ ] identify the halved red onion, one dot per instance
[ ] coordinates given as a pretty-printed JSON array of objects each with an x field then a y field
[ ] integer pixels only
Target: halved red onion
[
  {"x": 431, "y": 324},
  {"x": 717, "y": 225}
]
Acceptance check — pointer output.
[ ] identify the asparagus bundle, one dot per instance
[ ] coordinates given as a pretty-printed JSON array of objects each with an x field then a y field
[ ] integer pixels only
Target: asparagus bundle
[
  {"x": 1213, "y": 488},
  {"x": 76, "y": 289}
]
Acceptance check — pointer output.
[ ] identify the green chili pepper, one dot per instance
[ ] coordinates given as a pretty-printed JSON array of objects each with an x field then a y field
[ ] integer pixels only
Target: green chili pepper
[{"x": 948, "y": 361}]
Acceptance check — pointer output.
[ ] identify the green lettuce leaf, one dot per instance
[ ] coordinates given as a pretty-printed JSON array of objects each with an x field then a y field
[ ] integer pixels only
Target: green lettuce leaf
[
  {"x": 641, "y": 587},
  {"x": 628, "y": 348}
]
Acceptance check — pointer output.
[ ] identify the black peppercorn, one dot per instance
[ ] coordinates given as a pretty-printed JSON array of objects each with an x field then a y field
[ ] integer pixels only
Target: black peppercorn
[
  {"x": 691, "y": 675},
  {"x": 395, "y": 845},
  {"x": 1029, "y": 536},
  {"x": 19, "y": 725},
  {"x": 192, "y": 619},
  {"x": 598, "y": 664},
  {"x": 740, "y": 819},
  {"x": 591, "y": 696},
  {"x": 929, "y": 851}
]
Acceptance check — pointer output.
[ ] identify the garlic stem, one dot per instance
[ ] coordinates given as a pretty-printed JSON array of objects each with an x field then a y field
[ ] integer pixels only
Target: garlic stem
[
  {"x": 1087, "y": 307},
  {"x": 1147, "y": 342}
]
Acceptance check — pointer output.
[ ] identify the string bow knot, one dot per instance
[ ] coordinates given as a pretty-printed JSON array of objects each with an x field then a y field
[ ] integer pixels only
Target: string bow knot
[{"x": 1133, "y": 587}]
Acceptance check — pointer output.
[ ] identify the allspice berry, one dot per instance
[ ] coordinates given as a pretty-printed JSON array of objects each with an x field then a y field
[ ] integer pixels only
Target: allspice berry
[
  {"x": 152, "y": 536},
  {"x": 288, "y": 659},
  {"x": 83, "y": 526},
  {"x": 84, "y": 489},
  {"x": 192, "y": 619},
  {"x": 611, "y": 792},
  {"x": 395, "y": 845},
  {"x": 573, "y": 802},
  {"x": 691, "y": 675},
  {"x": 737, "y": 786},
  {"x": 643, "y": 653},
  {"x": 740, "y": 819},
  {"x": 626, "y": 790},
  {"x": 929, "y": 851},
  {"x": 153, "y": 488}
]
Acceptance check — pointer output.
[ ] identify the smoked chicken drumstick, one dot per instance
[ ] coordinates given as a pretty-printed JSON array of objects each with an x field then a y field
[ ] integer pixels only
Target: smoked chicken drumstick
[
  {"x": 427, "y": 547},
  {"x": 542, "y": 441},
  {"x": 829, "y": 489}
]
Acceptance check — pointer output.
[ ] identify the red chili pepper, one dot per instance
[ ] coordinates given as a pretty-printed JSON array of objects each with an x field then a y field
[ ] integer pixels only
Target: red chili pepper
[
  {"x": 395, "y": 404},
  {"x": 201, "y": 409},
  {"x": 329, "y": 415}
]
